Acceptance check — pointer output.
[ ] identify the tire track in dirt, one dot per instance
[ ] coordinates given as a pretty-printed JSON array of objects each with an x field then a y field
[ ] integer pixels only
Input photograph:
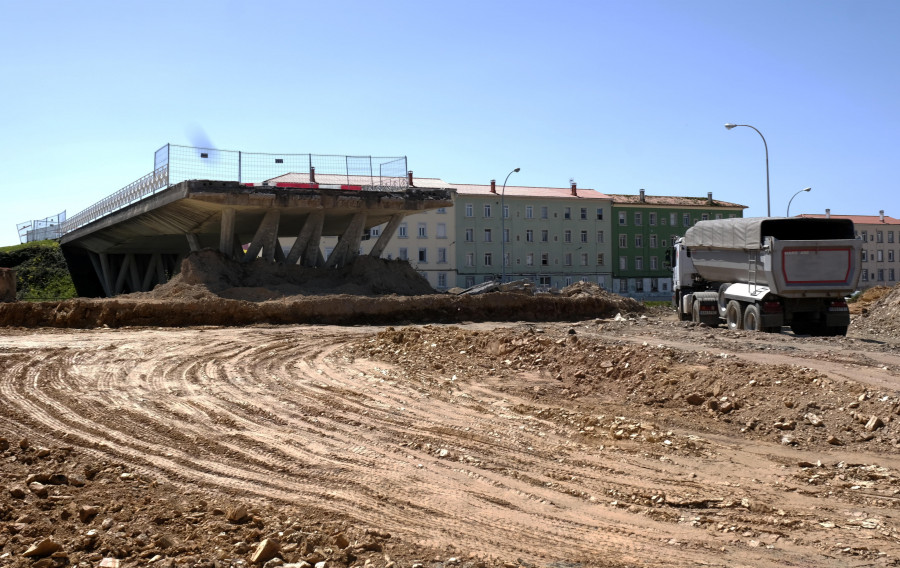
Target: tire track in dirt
[{"x": 259, "y": 414}]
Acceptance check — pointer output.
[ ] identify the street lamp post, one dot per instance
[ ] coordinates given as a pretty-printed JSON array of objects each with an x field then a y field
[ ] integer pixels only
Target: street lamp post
[
  {"x": 729, "y": 126},
  {"x": 503, "y": 228},
  {"x": 792, "y": 198}
]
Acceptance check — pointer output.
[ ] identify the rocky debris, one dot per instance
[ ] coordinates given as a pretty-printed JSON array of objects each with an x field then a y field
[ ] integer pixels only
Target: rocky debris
[
  {"x": 879, "y": 312},
  {"x": 45, "y": 547}
]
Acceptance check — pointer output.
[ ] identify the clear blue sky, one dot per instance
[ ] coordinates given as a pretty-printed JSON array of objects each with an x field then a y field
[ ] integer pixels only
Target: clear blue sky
[{"x": 619, "y": 95}]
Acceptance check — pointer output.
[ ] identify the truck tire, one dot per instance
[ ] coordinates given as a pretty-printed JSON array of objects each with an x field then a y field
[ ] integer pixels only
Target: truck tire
[
  {"x": 695, "y": 311},
  {"x": 734, "y": 315},
  {"x": 752, "y": 318}
]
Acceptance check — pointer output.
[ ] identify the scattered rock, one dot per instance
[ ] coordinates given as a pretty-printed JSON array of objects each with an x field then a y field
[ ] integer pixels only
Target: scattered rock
[
  {"x": 874, "y": 423},
  {"x": 45, "y": 547},
  {"x": 266, "y": 550},
  {"x": 695, "y": 398}
]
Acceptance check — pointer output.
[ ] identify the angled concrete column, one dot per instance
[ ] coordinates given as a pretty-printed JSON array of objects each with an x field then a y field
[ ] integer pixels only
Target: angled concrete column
[
  {"x": 193, "y": 241},
  {"x": 98, "y": 270},
  {"x": 386, "y": 235},
  {"x": 347, "y": 247},
  {"x": 265, "y": 237},
  {"x": 307, "y": 244},
  {"x": 152, "y": 267},
  {"x": 123, "y": 273},
  {"x": 226, "y": 232},
  {"x": 134, "y": 279},
  {"x": 107, "y": 275}
]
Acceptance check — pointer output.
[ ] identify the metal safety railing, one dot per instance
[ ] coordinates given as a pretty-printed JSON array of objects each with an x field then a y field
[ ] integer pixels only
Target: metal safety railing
[{"x": 173, "y": 164}]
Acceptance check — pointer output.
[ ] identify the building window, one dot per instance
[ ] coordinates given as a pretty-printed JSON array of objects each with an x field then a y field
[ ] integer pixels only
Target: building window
[
  {"x": 470, "y": 210},
  {"x": 375, "y": 231},
  {"x": 638, "y": 219},
  {"x": 442, "y": 280},
  {"x": 506, "y": 211},
  {"x": 601, "y": 259},
  {"x": 487, "y": 209},
  {"x": 505, "y": 235},
  {"x": 865, "y": 236},
  {"x": 601, "y": 281},
  {"x": 890, "y": 236},
  {"x": 470, "y": 235},
  {"x": 621, "y": 218},
  {"x": 584, "y": 259},
  {"x": 584, "y": 213},
  {"x": 442, "y": 230},
  {"x": 401, "y": 232},
  {"x": 470, "y": 281},
  {"x": 879, "y": 254},
  {"x": 653, "y": 241},
  {"x": 686, "y": 220},
  {"x": 672, "y": 218},
  {"x": 545, "y": 214},
  {"x": 638, "y": 263},
  {"x": 423, "y": 255},
  {"x": 891, "y": 274},
  {"x": 639, "y": 241},
  {"x": 423, "y": 231},
  {"x": 599, "y": 213},
  {"x": 881, "y": 275},
  {"x": 529, "y": 236},
  {"x": 623, "y": 241},
  {"x": 488, "y": 259},
  {"x": 567, "y": 213},
  {"x": 505, "y": 259},
  {"x": 654, "y": 263},
  {"x": 470, "y": 259},
  {"x": 529, "y": 259},
  {"x": 623, "y": 285},
  {"x": 623, "y": 263},
  {"x": 891, "y": 255},
  {"x": 718, "y": 215},
  {"x": 567, "y": 259},
  {"x": 880, "y": 237},
  {"x": 651, "y": 218},
  {"x": 545, "y": 236},
  {"x": 442, "y": 211},
  {"x": 545, "y": 259},
  {"x": 865, "y": 275},
  {"x": 639, "y": 285},
  {"x": 569, "y": 280},
  {"x": 487, "y": 235},
  {"x": 865, "y": 257},
  {"x": 584, "y": 236},
  {"x": 529, "y": 212},
  {"x": 567, "y": 236},
  {"x": 402, "y": 255},
  {"x": 544, "y": 281},
  {"x": 442, "y": 256},
  {"x": 704, "y": 217},
  {"x": 600, "y": 237}
]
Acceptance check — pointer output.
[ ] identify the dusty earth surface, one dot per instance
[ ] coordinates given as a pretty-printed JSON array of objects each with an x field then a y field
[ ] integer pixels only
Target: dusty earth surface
[{"x": 624, "y": 439}]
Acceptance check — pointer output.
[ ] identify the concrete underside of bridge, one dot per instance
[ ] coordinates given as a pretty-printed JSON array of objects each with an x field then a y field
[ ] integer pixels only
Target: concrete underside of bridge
[{"x": 142, "y": 245}]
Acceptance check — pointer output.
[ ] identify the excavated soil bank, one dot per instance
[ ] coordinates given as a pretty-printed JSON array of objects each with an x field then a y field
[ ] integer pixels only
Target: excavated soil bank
[{"x": 212, "y": 290}]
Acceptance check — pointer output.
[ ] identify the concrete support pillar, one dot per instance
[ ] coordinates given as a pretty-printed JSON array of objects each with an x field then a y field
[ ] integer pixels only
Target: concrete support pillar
[
  {"x": 134, "y": 279},
  {"x": 123, "y": 273},
  {"x": 226, "y": 232},
  {"x": 265, "y": 238},
  {"x": 306, "y": 246},
  {"x": 193, "y": 241},
  {"x": 152, "y": 267},
  {"x": 347, "y": 248},
  {"x": 107, "y": 275},
  {"x": 386, "y": 235}
]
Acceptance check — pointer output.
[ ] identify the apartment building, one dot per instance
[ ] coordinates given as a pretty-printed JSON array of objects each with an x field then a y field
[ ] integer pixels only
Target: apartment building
[
  {"x": 549, "y": 236},
  {"x": 881, "y": 249},
  {"x": 645, "y": 228}
]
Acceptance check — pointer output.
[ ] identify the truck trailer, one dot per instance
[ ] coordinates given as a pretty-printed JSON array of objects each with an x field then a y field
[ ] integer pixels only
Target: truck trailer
[{"x": 763, "y": 273}]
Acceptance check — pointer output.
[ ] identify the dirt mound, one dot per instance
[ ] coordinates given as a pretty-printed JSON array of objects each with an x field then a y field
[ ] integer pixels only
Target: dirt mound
[
  {"x": 258, "y": 281},
  {"x": 880, "y": 312},
  {"x": 865, "y": 299}
]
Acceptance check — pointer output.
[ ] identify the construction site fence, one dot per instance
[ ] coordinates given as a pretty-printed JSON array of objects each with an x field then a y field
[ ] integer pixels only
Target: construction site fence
[{"x": 173, "y": 164}]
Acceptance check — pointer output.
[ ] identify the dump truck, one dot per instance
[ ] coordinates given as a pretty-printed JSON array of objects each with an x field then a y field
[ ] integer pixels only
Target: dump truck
[{"x": 763, "y": 273}]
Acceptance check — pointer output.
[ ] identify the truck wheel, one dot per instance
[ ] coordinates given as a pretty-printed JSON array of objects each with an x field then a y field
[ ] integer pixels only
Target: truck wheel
[
  {"x": 695, "y": 311},
  {"x": 733, "y": 319},
  {"x": 751, "y": 318}
]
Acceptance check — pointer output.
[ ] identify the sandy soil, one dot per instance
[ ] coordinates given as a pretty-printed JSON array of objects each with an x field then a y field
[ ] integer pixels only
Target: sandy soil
[{"x": 618, "y": 440}]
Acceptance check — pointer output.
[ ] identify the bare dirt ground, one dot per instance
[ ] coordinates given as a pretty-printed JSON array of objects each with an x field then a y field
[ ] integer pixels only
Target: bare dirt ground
[{"x": 635, "y": 440}]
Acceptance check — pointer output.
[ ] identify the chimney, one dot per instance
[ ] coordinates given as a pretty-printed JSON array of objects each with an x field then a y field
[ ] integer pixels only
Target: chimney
[
  {"x": 828, "y": 213},
  {"x": 574, "y": 189},
  {"x": 409, "y": 178},
  {"x": 643, "y": 197},
  {"x": 881, "y": 214},
  {"x": 312, "y": 174},
  {"x": 709, "y": 199},
  {"x": 493, "y": 186}
]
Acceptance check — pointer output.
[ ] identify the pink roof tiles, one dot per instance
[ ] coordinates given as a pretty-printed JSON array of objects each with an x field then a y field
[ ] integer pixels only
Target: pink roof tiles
[
  {"x": 859, "y": 219},
  {"x": 534, "y": 192}
]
